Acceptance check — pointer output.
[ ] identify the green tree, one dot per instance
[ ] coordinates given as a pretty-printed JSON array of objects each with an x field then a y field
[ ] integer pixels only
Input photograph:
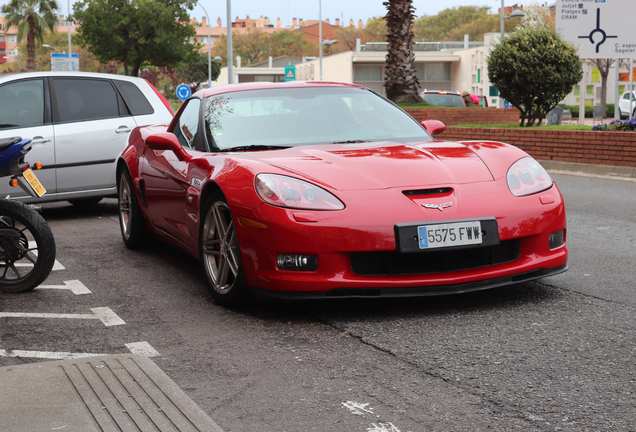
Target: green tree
[
  {"x": 137, "y": 32},
  {"x": 195, "y": 72},
  {"x": 401, "y": 83},
  {"x": 534, "y": 69},
  {"x": 290, "y": 43},
  {"x": 33, "y": 18},
  {"x": 436, "y": 28}
]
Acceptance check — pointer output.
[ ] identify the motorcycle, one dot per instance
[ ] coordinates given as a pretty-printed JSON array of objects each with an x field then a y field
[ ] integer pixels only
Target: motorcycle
[{"x": 27, "y": 246}]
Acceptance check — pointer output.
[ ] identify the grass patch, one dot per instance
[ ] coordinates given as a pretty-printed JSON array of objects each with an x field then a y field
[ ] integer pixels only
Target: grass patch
[{"x": 516, "y": 126}]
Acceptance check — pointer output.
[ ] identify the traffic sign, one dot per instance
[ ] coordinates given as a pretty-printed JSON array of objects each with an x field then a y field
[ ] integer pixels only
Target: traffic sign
[
  {"x": 290, "y": 73},
  {"x": 60, "y": 62},
  {"x": 183, "y": 92},
  {"x": 599, "y": 28}
]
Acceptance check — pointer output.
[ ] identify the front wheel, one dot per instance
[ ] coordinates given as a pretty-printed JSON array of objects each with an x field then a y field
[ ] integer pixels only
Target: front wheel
[
  {"x": 220, "y": 255},
  {"x": 131, "y": 221},
  {"x": 27, "y": 247}
]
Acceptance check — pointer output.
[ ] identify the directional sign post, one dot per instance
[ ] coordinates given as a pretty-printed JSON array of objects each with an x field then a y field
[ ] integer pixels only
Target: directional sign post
[
  {"x": 290, "y": 73},
  {"x": 60, "y": 62},
  {"x": 598, "y": 28},
  {"x": 183, "y": 92}
]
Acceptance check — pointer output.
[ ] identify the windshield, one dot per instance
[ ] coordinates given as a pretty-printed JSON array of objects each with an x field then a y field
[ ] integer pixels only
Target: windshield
[
  {"x": 287, "y": 117},
  {"x": 450, "y": 100}
]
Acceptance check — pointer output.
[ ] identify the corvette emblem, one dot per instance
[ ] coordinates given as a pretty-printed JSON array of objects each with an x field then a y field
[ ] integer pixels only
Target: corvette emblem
[{"x": 440, "y": 207}]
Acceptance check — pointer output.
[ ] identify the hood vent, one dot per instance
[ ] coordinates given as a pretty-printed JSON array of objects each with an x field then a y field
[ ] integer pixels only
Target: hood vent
[{"x": 436, "y": 191}]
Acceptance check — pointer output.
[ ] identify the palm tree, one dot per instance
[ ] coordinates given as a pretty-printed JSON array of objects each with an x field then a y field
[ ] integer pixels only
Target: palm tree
[
  {"x": 33, "y": 18},
  {"x": 401, "y": 83}
]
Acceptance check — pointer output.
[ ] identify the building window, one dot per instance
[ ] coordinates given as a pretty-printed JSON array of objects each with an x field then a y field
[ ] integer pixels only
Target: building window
[
  {"x": 12, "y": 39},
  {"x": 13, "y": 52},
  {"x": 433, "y": 76},
  {"x": 589, "y": 90},
  {"x": 437, "y": 72},
  {"x": 1, "y": 36},
  {"x": 577, "y": 90},
  {"x": 368, "y": 73}
]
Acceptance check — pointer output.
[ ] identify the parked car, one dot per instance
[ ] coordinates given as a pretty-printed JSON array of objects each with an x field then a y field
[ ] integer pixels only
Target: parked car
[
  {"x": 623, "y": 105},
  {"x": 483, "y": 101},
  {"x": 326, "y": 190},
  {"x": 443, "y": 98},
  {"x": 79, "y": 124}
]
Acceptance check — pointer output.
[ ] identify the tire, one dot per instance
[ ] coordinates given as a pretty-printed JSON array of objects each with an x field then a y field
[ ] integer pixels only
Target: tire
[
  {"x": 85, "y": 202},
  {"x": 27, "y": 247},
  {"x": 220, "y": 254},
  {"x": 131, "y": 221}
]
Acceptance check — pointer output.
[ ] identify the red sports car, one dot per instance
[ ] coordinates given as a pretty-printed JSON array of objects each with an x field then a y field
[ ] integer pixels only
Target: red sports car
[{"x": 327, "y": 190}]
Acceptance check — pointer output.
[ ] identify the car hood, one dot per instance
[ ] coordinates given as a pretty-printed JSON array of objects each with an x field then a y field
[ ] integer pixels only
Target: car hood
[{"x": 382, "y": 165}]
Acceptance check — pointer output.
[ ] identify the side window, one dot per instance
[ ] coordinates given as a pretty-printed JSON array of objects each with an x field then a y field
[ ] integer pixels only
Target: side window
[
  {"x": 84, "y": 99},
  {"x": 22, "y": 104},
  {"x": 188, "y": 123},
  {"x": 134, "y": 98}
]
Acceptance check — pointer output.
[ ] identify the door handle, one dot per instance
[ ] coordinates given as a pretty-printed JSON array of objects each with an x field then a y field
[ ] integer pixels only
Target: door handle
[
  {"x": 123, "y": 129},
  {"x": 40, "y": 140}
]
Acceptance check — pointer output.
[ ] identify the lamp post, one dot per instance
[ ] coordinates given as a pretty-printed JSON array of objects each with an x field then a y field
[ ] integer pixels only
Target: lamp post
[
  {"x": 230, "y": 52},
  {"x": 320, "y": 35},
  {"x": 70, "y": 50},
  {"x": 13, "y": 58},
  {"x": 51, "y": 46},
  {"x": 209, "y": 48},
  {"x": 515, "y": 14}
]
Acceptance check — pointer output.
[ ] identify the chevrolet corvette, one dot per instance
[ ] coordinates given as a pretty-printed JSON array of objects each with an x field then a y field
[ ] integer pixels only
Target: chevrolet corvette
[{"x": 328, "y": 190}]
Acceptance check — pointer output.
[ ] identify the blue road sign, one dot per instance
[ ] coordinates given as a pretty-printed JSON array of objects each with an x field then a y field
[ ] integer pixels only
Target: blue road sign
[{"x": 183, "y": 92}]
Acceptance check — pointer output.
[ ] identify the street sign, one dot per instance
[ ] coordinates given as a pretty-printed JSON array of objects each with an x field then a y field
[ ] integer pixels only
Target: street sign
[
  {"x": 598, "y": 28},
  {"x": 183, "y": 92},
  {"x": 290, "y": 73},
  {"x": 60, "y": 62}
]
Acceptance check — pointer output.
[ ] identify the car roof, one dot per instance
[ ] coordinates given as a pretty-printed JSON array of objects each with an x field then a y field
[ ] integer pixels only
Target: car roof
[
  {"x": 44, "y": 74},
  {"x": 269, "y": 85}
]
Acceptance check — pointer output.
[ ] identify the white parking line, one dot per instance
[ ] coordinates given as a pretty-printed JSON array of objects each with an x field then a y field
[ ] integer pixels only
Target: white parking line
[
  {"x": 142, "y": 348},
  {"x": 104, "y": 314},
  {"x": 32, "y": 244},
  {"x": 75, "y": 286}
]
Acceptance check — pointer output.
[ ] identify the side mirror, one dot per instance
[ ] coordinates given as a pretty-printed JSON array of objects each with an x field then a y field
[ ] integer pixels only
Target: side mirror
[
  {"x": 166, "y": 141},
  {"x": 434, "y": 127}
]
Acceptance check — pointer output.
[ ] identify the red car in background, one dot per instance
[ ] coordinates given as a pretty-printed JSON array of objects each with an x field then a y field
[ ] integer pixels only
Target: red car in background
[{"x": 327, "y": 190}]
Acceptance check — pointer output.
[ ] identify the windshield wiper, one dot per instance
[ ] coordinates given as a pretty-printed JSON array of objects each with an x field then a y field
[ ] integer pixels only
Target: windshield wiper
[
  {"x": 350, "y": 142},
  {"x": 253, "y": 147}
]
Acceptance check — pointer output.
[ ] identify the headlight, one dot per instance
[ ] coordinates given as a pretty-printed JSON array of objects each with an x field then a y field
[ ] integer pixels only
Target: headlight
[
  {"x": 283, "y": 191},
  {"x": 527, "y": 177}
]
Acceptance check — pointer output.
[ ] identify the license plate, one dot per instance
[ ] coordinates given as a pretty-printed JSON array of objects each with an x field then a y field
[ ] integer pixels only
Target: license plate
[
  {"x": 34, "y": 182},
  {"x": 450, "y": 234}
]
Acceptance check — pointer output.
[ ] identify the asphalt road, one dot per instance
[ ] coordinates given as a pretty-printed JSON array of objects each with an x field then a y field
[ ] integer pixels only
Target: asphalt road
[{"x": 557, "y": 354}]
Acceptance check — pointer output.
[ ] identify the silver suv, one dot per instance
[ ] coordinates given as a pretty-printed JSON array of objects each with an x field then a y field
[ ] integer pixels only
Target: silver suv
[
  {"x": 79, "y": 123},
  {"x": 623, "y": 105}
]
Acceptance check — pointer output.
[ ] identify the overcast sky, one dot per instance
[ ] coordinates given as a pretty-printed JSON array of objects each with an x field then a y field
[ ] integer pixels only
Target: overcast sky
[{"x": 286, "y": 10}]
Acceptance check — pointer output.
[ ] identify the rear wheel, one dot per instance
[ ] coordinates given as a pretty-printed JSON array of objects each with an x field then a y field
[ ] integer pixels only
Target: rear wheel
[
  {"x": 27, "y": 247},
  {"x": 220, "y": 255},
  {"x": 131, "y": 221}
]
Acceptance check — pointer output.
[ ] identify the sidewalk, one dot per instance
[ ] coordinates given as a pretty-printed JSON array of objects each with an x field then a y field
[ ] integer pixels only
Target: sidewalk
[
  {"x": 104, "y": 393},
  {"x": 615, "y": 172}
]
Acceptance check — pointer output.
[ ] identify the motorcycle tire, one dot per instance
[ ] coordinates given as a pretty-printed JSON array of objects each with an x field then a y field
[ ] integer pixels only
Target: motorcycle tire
[{"x": 27, "y": 247}]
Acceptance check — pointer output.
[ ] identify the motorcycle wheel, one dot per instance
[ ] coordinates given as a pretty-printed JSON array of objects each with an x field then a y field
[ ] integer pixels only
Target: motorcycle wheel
[{"x": 27, "y": 247}]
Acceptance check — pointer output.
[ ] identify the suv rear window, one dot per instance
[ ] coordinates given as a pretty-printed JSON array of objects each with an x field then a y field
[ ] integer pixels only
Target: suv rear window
[{"x": 134, "y": 98}]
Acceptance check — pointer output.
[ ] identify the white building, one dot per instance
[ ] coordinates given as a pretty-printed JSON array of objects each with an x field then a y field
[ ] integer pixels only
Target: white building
[{"x": 451, "y": 66}]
